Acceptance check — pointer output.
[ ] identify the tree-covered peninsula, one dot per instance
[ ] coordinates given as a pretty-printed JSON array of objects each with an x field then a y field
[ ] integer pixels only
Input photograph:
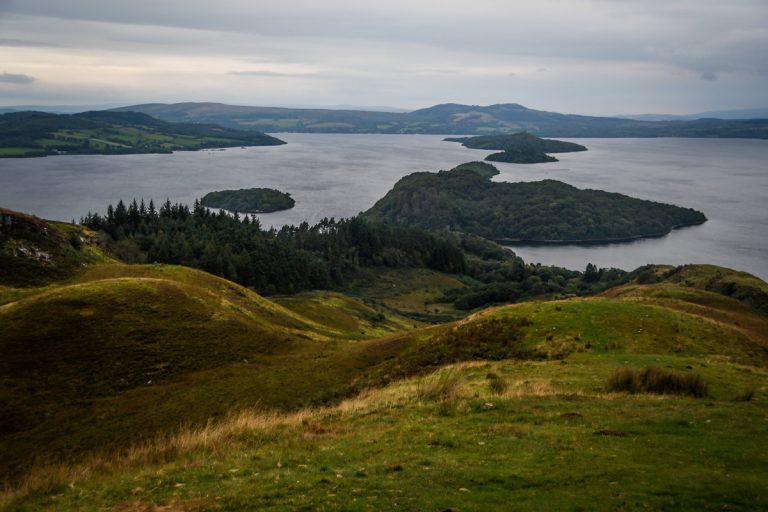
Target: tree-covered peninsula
[
  {"x": 525, "y": 156},
  {"x": 548, "y": 211},
  {"x": 518, "y": 148},
  {"x": 29, "y": 134},
  {"x": 249, "y": 200}
]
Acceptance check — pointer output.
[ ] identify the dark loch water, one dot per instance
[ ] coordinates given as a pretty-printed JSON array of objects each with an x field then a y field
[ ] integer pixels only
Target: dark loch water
[{"x": 341, "y": 175}]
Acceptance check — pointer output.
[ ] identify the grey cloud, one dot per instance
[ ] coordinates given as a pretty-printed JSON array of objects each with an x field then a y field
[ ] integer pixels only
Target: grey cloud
[
  {"x": 583, "y": 29},
  {"x": 268, "y": 73},
  {"x": 395, "y": 52},
  {"x": 16, "y": 78},
  {"x": 21, "y": 43}
]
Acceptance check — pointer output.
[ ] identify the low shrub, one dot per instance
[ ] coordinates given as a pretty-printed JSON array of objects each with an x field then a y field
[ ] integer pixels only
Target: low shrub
[
  {"x": 746, "y": 396},
  {"x": 496, "y": 384},
  {"x": 658, "y": 381}
]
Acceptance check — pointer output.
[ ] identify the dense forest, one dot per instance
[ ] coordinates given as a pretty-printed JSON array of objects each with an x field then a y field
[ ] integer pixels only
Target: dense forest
[
  {"x": 249, "y": 200},
  {"x": 27, "y": 134},
  {"x": 542, "y": 211},
  {"x": 328, "y": 254},
  {"x": 523, "y": 156}
]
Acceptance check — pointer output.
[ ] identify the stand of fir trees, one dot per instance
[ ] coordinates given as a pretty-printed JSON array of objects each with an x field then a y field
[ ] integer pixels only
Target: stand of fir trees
[{"x": 328, "y": 254}]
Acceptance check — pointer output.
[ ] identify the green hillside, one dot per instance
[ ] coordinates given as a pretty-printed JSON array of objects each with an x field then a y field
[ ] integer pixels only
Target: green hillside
[
  {"x": 160, "y": 387},
  {"x": 535, "y": 423},
  {"x": 544, "y": 211},
  {"x": 29, "y": 134},
  {"x": 33, "y": 251}
]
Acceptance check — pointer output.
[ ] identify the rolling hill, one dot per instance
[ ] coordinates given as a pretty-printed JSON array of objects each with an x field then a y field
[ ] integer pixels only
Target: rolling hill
[
  {"x": 162, "y": 387},
  {"x": 30, "y": 134},
  {"x": 478, "y": 426},
  {"x": 448, "y": 118}
]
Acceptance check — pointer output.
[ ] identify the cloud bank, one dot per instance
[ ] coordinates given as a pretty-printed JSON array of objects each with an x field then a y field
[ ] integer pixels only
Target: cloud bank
[{"x": 583, "y": 56}]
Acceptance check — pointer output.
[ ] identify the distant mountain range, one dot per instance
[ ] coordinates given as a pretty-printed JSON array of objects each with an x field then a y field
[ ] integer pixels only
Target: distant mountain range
[
  {"x": 449, "y": 118},
  {"x": 57, "y": 109},
  {"x": 743, "y": 113}
]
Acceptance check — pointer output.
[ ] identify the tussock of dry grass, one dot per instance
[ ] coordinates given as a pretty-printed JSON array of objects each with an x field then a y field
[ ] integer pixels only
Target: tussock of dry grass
[
  {"x": 658, "y": 381},
  {"x": 443, "y": 387},
  {"x": 496, "y": 385}
]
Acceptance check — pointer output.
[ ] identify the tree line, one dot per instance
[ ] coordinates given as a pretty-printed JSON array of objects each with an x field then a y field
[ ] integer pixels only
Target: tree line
[{"x": 325, "y": 255}]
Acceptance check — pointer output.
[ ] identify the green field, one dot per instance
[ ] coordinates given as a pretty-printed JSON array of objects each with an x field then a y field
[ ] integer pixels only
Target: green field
[
  {"x": 24, "y": 134},
  {"x": 14, "y": 151}
]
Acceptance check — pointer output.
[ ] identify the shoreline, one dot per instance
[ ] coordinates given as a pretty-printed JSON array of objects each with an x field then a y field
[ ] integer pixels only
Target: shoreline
[{"x": 597, "y": 241}]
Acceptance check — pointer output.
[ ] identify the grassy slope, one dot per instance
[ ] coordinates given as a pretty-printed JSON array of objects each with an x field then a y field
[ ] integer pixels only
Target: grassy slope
[
  {"x": 273, "y": 358},
  {"x": 398, "y": 448},
  {"x": 35, "y": 252},
  {"x": 140, "y": 349},
  {"x": 409, "y": 291},
  {"x": 210, "y": 347}
]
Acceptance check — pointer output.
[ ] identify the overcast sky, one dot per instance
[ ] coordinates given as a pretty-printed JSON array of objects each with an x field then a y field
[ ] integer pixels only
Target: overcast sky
[{"x": 599, "y": 57}]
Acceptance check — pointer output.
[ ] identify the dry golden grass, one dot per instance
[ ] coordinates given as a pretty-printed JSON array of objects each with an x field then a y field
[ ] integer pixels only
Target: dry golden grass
[
  {"x": 228, "y": 434},
  {"x": 445, "y": 387},
  {"x": 534, "y": 387}
]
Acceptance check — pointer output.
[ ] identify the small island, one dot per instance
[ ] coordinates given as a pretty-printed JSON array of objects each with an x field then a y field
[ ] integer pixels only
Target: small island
[
  {"x": 465, "y": 199},
  {"x": 519, "y": 148},
  {"x": 249, "y": 200}
]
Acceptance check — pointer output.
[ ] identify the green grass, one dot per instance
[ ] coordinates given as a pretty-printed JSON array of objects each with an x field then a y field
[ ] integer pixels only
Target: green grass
[
  {"x": 100, "y": 366},
  {"x": 18, "y": 151},
  {"x": 534, "y": 446},
  {"x": 127, "y": 137},
  {"x": 339, "y": 315},
  {"x": 409, "y": 291},
  {"x": 141, "y": 349}
]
